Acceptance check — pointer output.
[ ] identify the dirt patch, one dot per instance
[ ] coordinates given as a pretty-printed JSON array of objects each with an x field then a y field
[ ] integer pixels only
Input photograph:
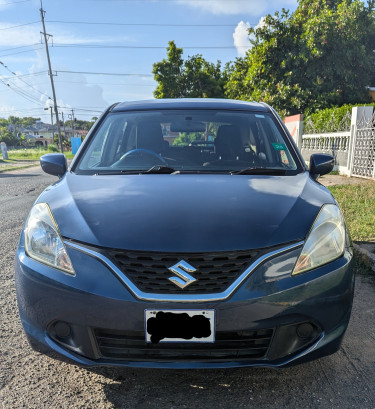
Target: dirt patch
[{"x": 331, "y": 180}]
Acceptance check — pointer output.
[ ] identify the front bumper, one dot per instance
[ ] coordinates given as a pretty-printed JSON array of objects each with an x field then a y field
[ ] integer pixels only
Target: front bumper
[{"x": 93, "y": 319}]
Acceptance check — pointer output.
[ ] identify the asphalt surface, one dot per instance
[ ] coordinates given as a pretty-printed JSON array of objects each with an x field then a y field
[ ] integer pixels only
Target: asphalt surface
[{"x": 30, "y": 380}]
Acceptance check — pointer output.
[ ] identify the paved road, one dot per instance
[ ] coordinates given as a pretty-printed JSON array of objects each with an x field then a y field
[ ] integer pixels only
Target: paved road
[{"x": 30, "y": 380}]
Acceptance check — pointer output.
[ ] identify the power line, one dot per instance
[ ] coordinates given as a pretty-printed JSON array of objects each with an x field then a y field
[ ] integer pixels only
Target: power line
[
  {"x": 105, "y": 83},
  {"x": 21, "y": 93},
  {"x": 105, "y": 73},
  {"x": 14, "y": 2},
  {"x": 22, "y": 80},
  {"x": 34, "y": 74},
  {"x": 19, "y": 25},
  {"x": 166, "y": 1},
  {"x": 21, "y": 52},
  {"x": 21, "y": 46},
  {"x": 142, "y": 24},
  {"x": 145, "y": 47}
]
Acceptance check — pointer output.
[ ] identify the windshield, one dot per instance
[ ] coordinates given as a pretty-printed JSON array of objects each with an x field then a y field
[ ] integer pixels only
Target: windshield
[{"x": 167, "y": 141}]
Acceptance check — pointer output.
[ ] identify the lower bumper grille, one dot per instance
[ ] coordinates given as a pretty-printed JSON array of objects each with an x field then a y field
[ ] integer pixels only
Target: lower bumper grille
[{"x": 229, "y": 346}]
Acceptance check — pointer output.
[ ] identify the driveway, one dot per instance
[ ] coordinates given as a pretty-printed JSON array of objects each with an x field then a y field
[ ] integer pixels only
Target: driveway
[{"x": 31, "y": 380}]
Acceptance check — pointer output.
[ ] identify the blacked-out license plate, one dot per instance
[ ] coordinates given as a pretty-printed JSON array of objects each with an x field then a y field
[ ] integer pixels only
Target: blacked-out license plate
[{"x": 180, "y": 326}]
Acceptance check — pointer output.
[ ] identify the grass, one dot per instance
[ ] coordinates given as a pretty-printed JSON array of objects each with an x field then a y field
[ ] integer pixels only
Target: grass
[
  {"x": 33, "y": 154},
  {"x": 7, "y": 165},
  {"x": 358, "y": 205}
]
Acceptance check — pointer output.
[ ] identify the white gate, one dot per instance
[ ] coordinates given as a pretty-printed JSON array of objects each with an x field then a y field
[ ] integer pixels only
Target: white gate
[{"x": 363, "y": 162}]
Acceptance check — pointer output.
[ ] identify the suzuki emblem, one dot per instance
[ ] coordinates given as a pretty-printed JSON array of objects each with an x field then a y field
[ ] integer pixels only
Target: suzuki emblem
[{"x": 182, "y": 270}]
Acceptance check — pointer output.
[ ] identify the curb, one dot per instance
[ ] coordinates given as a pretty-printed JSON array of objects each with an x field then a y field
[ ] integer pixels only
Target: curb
[{"x": 367, "y": 257}]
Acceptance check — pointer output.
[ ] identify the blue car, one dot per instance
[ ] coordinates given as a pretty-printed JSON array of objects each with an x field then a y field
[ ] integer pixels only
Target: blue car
[{"x": 186, "y": 233}]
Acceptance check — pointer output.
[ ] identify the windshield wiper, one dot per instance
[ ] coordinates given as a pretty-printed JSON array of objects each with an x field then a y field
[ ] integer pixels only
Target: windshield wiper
[
  {"x": 253, "y": 170},
  {"x": 161, "y": 169}
]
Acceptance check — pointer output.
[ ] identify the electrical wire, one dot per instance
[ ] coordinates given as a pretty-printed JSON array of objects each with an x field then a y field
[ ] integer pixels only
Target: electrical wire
[
  {"x": 21, "y": 93},
  {"x": 141, "y": 24},
  {"x": 21, "y": 52},
  {"x": 105, "y": 73},
  {"x": 34, "y": 74},
  {"x": 22, "y": 80},
  {"x": 21, "y": 46},
  {"x": 105, "y": 83},
  {"x": 19, "y": 25},
  {"x": 145, "y": 47},
  {"x": 14, "y": 2}
]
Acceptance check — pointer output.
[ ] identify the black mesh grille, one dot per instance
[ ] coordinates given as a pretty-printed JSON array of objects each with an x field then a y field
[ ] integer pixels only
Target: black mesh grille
[
  {"x": 215, "y": 272},
  {"x": 228, "y": 346}
]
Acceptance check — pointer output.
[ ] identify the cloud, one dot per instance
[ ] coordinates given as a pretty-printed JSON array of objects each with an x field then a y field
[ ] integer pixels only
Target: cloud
[
  {"x": 253, "y": 7},
  {"x": 241, "y": 38}
]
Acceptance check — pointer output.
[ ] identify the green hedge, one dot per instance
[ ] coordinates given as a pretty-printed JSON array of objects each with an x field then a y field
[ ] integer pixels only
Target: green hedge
[{"x": 330, "y": 119}]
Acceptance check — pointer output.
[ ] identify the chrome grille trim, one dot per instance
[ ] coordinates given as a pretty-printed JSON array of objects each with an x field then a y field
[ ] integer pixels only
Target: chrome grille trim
[{"x": 179, "y": 297}]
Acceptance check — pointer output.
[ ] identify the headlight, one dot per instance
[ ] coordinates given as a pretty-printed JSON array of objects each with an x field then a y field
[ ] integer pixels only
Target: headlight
[
  {"x": 325, "y": 242},
  {"x": 43, "y": 241}
]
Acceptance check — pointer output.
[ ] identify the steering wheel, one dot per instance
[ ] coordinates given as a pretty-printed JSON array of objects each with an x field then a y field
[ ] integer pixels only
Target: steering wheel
[{"x": 145, "y": 153}]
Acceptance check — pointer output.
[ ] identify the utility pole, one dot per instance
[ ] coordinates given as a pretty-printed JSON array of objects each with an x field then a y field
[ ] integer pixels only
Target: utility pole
[
  {"x": 46, "y": 109},
  {"x": 62, "y": 114},
  {"x": 46, "y": 36},
  {"x": 72, "y": 118}
]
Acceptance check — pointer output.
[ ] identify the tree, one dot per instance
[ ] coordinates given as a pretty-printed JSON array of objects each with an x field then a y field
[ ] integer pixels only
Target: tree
[
  {"x": 320, "y": 56},
  {"x": 7, "y": 137},
  {"x": 194, "y": 77}
]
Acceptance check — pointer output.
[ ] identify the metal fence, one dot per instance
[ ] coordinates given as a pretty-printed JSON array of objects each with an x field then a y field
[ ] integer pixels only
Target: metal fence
[
  {"x": 363, "y": 155},
  {"x": 336, "y": 144},
  {"x": 353, "y": 150}
]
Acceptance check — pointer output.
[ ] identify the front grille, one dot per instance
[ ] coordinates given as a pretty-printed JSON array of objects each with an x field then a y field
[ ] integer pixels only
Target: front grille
[
  {"x": 228, "y": 346},
  {"x": 215, "y": 272}
]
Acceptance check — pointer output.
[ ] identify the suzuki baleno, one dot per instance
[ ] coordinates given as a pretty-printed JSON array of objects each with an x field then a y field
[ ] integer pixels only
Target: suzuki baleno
[{"x": 186, "y": 234}]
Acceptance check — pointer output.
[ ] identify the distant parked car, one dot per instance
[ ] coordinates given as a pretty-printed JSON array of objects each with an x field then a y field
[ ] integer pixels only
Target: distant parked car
[{"x": 221, "y": 252}]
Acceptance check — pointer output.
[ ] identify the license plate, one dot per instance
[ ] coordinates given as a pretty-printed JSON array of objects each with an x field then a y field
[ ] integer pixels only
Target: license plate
[{"x": 180, "y": 326}]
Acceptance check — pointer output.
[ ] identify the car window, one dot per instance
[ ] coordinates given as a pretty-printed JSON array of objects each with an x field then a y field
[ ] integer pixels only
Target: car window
[{"x": 187, "y": 140}]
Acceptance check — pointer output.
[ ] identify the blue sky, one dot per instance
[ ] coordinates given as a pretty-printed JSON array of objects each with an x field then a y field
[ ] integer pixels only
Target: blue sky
[{"x": 119, "y": 47}]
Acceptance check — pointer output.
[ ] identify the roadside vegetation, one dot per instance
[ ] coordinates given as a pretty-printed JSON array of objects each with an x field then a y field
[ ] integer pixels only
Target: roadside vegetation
[
  {"x": 320, "y": 56},
  {"x": 358, "y": 205},
  {"x": 25, "y": 158},
  {"x": 35, "y": 154}
]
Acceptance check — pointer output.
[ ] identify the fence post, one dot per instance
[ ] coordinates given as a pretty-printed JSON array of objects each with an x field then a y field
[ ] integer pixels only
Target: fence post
[
  {"x": 4, "y": 151},
  {"x": 360, "y": 117}
]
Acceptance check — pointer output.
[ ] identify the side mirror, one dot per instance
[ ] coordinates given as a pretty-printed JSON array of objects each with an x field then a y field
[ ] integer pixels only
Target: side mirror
[
  {"x": 54, "y": 164},
  {"x": 321, "y": 164}
]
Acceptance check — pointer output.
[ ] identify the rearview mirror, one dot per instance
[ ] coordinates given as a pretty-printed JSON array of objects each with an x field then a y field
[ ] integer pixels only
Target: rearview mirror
[
  {"x": 321, "y": 164},
  {"x": 188, "y": 126},
  {"x": 54, "y": 164}
]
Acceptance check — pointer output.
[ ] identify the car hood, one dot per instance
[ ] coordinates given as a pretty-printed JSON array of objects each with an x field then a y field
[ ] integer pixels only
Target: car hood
[{"x": 185, "y": 213}]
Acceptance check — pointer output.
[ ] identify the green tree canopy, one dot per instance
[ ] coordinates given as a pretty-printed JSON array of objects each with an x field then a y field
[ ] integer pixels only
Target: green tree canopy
[
  {"x": 195, "y": 77},
  {"x": 319, "y": 56}
]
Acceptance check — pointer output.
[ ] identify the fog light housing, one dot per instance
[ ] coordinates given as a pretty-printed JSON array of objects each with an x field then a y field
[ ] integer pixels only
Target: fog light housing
[
  {"x": 305, "y": 330},
  {"x": 292, "y": 338},
  {"x": 62, "y": 329}
]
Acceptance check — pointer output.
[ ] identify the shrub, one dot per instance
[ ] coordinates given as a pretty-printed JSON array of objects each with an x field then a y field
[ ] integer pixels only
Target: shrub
[
  {"x": 330, "y": 120},
  {"x": 52, "y": 148}
]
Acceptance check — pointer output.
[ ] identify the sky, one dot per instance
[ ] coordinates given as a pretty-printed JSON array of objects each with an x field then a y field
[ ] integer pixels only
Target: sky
[{"x": 102, "y": 51}]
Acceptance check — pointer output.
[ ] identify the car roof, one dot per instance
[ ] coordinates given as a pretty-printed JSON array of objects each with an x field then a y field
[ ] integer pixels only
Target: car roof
[{"x": 191, "y": 103}]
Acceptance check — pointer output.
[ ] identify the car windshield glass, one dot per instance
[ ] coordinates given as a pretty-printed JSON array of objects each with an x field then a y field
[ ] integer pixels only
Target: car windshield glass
[{"x": 178, "y": 141}]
